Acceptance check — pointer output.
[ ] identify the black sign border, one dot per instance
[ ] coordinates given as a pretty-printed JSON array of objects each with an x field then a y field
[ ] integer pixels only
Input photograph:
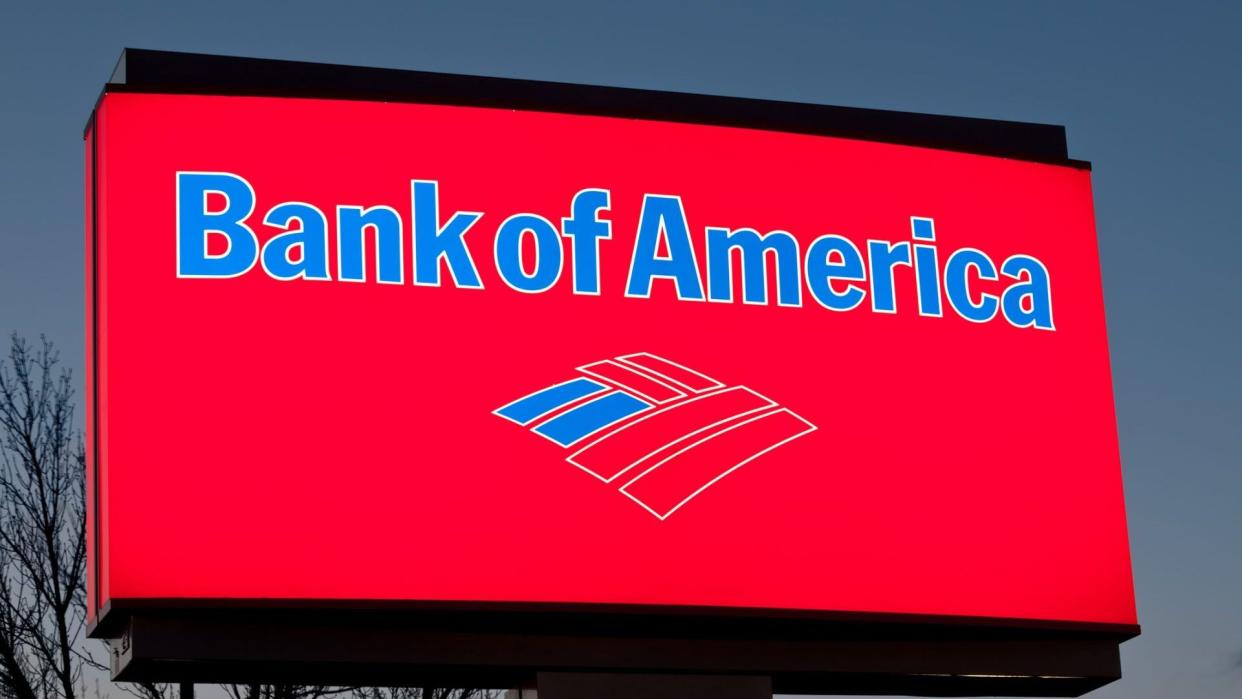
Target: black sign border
[{"x": 490, "y": 644}]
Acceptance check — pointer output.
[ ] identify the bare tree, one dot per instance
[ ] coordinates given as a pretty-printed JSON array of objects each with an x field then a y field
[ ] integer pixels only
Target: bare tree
[
  {"x": 42, "y": 532},
  {"x": 16, "y": 671},
  {"x": 420, "y": 693},
  {"x": 43, "y": 547},
  {"x": 279, "y": 691}
]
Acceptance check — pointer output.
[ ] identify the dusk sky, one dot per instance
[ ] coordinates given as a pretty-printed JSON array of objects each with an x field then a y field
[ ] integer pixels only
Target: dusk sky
[{"x": 1149, "y": 93}]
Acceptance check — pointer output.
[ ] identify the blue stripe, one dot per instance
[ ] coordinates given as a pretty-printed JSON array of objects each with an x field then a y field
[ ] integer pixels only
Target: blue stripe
[
  {"x": 572, "y": 425},
  {"x": 543, "y": 402}
]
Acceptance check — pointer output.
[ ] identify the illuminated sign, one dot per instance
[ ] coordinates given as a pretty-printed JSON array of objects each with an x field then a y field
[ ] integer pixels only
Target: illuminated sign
[{"x": 383, "y": 352}]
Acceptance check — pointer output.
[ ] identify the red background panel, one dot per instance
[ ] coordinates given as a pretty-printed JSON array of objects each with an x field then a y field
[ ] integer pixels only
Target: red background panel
[{"x": 323, "y": 440}]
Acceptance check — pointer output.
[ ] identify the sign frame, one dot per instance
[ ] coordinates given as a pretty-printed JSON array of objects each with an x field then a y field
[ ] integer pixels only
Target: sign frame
[{"x": 340, "y": 642}]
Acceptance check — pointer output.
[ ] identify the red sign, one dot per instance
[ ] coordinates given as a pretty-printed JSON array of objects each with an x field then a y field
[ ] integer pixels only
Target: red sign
[{"x": 369, "y": 351}]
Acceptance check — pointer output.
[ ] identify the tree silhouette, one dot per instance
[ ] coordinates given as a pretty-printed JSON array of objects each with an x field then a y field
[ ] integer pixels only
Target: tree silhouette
[
  {"x": 43, "y": 548},
  {"x": 42, "y": 532}
]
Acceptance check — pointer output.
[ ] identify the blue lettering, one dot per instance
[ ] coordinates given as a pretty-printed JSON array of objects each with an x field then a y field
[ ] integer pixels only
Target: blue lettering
[
  {"x": 957, "y": 285},
  {"x": 663, "y": 217},
  {"x": 433, "y": 242},
  {"x": 351, "y": 225},
  {"x": 310, "y": 239},
  {"x": 585, "y": 229},
  {"x": 753, "y": 247},
  {"x": 195, "y": 223},
  {"x": 1029, "y": 302},
  {"x": 884, "y": 256},
  {"x": 547, "y": 253},
  {"x": 926, "y": 266},
  {"x": 821, "y": 271}
]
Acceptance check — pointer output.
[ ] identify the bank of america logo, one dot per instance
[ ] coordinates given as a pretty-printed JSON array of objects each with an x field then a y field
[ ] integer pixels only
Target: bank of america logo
[{"x": 660, "y": 432}]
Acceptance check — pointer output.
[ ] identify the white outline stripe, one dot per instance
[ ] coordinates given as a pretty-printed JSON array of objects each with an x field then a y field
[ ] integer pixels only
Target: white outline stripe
[
  {"x": 627, "y": 359},
  {"x": 675, "y": 386},
  {"x": 653, "y": 375},
  {"x": 627, "y": 387},
  {"x": 731, "y": 469},
  {"x": 670, "y": 407},
  {"x": 682, "y": 437},
  {"x": 606, "y": 387}
]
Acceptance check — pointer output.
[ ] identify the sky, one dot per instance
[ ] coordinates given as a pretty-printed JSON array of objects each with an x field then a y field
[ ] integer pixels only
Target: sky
[{"x": 1149, "y": 92}]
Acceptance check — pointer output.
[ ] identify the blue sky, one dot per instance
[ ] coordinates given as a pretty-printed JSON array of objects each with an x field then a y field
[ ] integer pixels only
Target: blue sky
[{"x": 1149, "y": 93}]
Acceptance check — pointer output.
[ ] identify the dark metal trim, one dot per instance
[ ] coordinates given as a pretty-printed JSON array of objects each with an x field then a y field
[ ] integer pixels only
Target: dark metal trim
[
  {"x": 685, "y": 619},
  {"x": 435, "y": 650},
  {"x": 93, "y": 357},
  {"x": 147, "y": 71}
]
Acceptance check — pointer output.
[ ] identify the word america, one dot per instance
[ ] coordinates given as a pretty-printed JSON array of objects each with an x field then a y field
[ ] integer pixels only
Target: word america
[{"x": 836, "y": 273}]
